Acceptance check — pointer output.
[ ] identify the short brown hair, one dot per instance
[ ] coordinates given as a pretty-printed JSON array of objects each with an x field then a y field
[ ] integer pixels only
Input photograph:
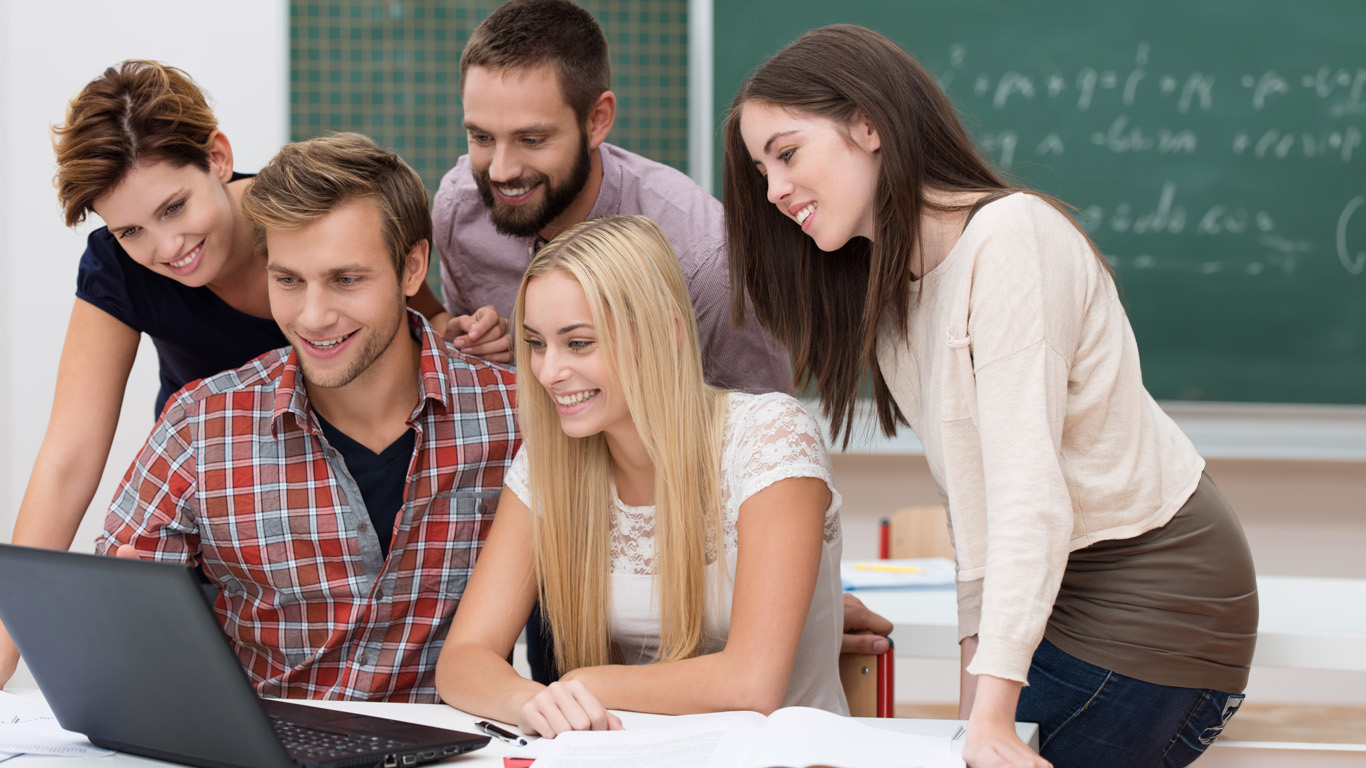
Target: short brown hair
[
  {"x": 135, "y": 112},
  {"x": 310, "y": 179},
  {"x": 523, "y": 34}
]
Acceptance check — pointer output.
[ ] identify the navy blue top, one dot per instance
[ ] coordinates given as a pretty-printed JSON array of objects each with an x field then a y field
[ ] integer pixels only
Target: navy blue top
[{"x": 196, "y": 334}]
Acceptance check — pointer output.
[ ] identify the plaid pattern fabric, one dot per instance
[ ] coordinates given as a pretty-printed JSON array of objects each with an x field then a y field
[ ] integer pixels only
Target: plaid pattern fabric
[{"x": 238, "y": 478}]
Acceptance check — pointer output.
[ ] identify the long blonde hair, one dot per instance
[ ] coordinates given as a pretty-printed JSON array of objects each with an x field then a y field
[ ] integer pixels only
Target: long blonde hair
[{"x": 646, "y": 328}]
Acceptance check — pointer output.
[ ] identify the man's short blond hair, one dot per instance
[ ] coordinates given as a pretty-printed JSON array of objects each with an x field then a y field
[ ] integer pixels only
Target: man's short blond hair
[{"x": 309, "y": 179}]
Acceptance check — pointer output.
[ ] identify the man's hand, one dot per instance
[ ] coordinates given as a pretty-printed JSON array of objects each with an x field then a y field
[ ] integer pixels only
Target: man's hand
[
  {"x": 859, "y": 622},
  {"x": 482, "y": 334},
  {"x": 127, "y": 551}
]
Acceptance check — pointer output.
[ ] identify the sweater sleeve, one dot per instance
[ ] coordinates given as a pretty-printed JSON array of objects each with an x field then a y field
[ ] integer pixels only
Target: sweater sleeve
[{"x": 1026, "y": 311}]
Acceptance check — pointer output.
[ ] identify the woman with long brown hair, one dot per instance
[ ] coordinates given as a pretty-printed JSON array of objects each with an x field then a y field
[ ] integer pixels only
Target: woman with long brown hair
[{"x": 1105, "y": 587}]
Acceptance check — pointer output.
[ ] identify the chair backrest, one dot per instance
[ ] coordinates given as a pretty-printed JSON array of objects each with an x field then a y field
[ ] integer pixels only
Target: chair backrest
[
  {"x": 920, "y": 532},
  {"x": 868, "y": 679},
  {"x": 858, "y": 673},
  {"x": 869, "y": 682}
]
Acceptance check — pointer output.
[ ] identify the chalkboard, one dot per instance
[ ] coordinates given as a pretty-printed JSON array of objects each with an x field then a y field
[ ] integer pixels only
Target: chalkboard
[{"x": 1214, "y": 150}]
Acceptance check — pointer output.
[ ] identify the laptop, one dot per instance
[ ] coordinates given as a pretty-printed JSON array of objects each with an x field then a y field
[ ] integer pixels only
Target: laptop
[{"x": 130, "y": 654}]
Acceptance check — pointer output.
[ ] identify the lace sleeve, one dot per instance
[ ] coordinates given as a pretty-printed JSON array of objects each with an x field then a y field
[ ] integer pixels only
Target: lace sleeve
[
  {"x": 518, "y": 479},
  {"x": 774, "y": 440}
]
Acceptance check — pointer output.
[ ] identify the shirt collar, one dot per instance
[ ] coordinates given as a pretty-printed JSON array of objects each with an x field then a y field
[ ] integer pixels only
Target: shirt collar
[
  {"x": 609, "y": 194},
  {"x": 433, "y": 381}
]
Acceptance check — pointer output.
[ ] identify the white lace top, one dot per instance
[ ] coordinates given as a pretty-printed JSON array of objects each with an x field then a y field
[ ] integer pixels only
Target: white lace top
[{"x": 767, "y": 438}]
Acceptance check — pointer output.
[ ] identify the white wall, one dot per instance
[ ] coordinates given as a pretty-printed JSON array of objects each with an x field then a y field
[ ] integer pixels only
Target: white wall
[{"x": 238, "y": 52}]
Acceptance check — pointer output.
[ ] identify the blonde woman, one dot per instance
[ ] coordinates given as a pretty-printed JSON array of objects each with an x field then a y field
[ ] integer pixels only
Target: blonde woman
[{"x": 683, "y": 540}]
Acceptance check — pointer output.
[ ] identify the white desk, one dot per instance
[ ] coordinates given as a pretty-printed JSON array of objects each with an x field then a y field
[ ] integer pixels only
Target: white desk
[
  {"x": 437, "y": 715},
  {"x": 1305, "y": 623}
]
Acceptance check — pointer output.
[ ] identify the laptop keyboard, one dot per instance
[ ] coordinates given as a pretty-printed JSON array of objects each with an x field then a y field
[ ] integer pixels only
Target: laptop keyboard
[{"x": 318, "y": 744}]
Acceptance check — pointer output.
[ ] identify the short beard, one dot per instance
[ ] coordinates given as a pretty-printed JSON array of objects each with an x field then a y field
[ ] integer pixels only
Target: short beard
[
  {"x": 524, "y": 221},
  {"x": 374, "y": 346}
]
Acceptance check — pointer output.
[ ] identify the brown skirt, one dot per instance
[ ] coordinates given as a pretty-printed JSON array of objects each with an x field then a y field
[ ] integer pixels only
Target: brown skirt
[{"x": 1174, "y": 606}]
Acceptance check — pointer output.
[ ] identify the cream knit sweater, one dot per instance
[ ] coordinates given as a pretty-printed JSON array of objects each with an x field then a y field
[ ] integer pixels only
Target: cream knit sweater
[{"x": 1020, "y": 376}]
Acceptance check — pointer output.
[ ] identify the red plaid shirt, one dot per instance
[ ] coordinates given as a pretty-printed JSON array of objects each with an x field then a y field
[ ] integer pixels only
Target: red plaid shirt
[{"x": 238, "y": 478}]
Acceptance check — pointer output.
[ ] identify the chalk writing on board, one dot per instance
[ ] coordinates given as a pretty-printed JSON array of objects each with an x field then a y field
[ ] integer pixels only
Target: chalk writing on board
[
  {"x": 1168, "y": 217},
  {"x": 1342, "y": 87},
  {"x": 1281, "y": 145},
  {"x": 1353, "y": 262},
  {"x": 1273, "y": 250}
]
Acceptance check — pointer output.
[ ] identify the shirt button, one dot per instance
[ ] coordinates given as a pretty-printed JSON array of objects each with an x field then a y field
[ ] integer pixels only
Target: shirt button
[
  {"x": 364, "y": 659},
  {"x": 483, "y": 509},
  {"x": 362, "y": 527},
  {"x": 379, "y": 594}
]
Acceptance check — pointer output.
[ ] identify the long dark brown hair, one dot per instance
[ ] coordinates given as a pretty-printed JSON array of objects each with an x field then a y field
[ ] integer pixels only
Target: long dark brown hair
[{"x": 828, "y": 307}]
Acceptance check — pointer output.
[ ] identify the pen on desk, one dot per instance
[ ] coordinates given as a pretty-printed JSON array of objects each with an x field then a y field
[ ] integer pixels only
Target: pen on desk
[
  {"x": 888, "y": 568},
  {"x": 502, "y": 734}
]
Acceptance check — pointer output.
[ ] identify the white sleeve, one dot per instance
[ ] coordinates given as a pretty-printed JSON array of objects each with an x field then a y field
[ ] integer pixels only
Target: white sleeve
[
  {"x": 776, "y": 439},
  {"x": 518, "y": 478}
]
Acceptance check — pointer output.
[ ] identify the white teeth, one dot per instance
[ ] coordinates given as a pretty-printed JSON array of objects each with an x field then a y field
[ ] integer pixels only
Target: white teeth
[
  {"x": 186, "y": 261},
  {"x": 807, "y": 211},
  {"x": 576, "y": 398},
  {"x": 514, "y": 191},
  {"x": 330, "y": 343}
]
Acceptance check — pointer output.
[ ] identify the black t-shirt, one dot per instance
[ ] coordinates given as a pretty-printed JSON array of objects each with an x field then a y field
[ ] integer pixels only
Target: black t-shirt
[
  {"x": 382, "y": 477},
  {"x": 196, "y": 334}
]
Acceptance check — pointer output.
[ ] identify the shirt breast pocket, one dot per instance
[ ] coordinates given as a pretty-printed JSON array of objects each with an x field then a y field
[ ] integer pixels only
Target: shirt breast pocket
[{"x": 453, "y": 530}]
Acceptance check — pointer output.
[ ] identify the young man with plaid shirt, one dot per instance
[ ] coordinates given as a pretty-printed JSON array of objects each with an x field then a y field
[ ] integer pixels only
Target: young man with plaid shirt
[{"x": 336, "y": 492}]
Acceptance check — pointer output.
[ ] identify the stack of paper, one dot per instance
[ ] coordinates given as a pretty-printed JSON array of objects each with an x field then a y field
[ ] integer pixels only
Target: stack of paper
[
  {"x": 28, "y": 727},
  {"x": 918, "y": 573}
]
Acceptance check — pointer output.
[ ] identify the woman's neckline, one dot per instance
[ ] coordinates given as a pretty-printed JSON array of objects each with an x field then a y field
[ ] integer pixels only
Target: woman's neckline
[{"x": 958, "y": 223}]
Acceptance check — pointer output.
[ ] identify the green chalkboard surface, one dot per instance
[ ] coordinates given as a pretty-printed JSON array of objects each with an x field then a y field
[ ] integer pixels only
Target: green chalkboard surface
[{"x": 1214, "y": 150}]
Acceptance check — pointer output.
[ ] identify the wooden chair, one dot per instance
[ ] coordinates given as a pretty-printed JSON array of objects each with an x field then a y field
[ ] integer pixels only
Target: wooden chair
[
  {"x": 870, "y": 680},
  {"x": 918, "y": 532}
]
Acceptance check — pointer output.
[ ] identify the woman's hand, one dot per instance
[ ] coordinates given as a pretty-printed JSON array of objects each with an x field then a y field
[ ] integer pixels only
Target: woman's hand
[
  {"x": 992, "y": 741},
  {"x": 991, "y": 746},
  {"x": 566, "y": 705}
]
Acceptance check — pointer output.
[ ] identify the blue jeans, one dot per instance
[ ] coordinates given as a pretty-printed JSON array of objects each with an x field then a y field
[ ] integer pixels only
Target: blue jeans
[{"x": 1089, "y": 716}]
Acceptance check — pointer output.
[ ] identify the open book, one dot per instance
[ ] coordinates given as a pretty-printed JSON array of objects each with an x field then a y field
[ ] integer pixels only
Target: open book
[{"x": 794, "y": 736}]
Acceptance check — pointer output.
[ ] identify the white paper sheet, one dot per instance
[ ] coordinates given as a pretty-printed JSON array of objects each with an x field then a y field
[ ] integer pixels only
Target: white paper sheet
[{"x": 28, "y": 727}]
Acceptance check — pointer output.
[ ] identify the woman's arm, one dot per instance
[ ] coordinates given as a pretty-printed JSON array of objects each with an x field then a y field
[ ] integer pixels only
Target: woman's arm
[
  {"x": 988, "y": 704},
  {"x": 781, "y": 530},
  {"x": 967, "y": 683},
  {"x": 96, "y": 358},
  {"x": 473, "y": 673}
]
